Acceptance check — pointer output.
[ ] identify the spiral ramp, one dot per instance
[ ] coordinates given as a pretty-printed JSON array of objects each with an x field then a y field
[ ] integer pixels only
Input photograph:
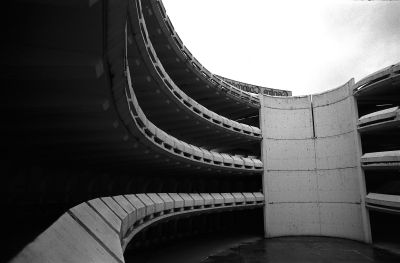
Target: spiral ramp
[
  {"x": 93, "y": 113},
  {"x": 112, "y": 128}
]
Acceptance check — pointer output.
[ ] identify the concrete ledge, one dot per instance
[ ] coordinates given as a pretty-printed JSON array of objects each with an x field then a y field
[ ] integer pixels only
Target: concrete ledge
[
  {"x": 383, "y": 202},
  {"x": 168, "y": 202},
  {"x": 99, "y": 230},
  {"x": 148, "y": 203},
  {"x": 188, "y": 201},
  {"x": 139, "y": 206},
  {"x": 128, "y": 208},
  {"x": 117, "y": 209},
  {"x": 249, "y": 197},
  {"x": 174, "y": 92},
  {"x": 380, "y": 120},
  {"x": 228, "y": 198},
  {"x": 334, "y": 95},
  {"x": 287, "y": 103},
  {"x": 239, "y": 198},
  {"x": 218, "y": 199},
  {"x": 194, "y": 65},
  {"x": 107, "y": 214},
  {"x": 178, "y": 200},
  {"x": 379, "y": 115},
  {"x": 388, "y": 158},
  {"x": 208, "y": 200},
  {"x": 188, "y": 153},
  {"x": 380, "y": 74},
  {"x": 198, "y": 200},
  {"x": 159, "y": 203}
]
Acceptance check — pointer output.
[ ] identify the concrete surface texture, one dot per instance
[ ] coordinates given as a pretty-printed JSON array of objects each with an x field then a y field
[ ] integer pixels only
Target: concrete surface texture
[
  {"x": 303, "y": 249},
  {"x": 193, "y": 249},
  {"x": 100, "y": 229},
  {"x": 312, "y": 177}
]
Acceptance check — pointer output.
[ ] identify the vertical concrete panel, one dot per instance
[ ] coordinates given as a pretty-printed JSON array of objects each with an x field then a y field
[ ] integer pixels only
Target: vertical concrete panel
[
  {"x": 338, "y": 185},
  {"x": 361, "y": 175},
  {"x": 290, "y": 154},
  {"x": 333, "y": 119},
  {"x": 311, "y": 176},
  {"x": 338, "y": 151},
  {"x": 341, "y": 220},
  {"x": 292, "y": 186},
  {"x": 293, "y": 219},
  {"x": 69, "y": 242},
  {"x": 289, "y": 123},
  {"x": 290, "y": 181}
]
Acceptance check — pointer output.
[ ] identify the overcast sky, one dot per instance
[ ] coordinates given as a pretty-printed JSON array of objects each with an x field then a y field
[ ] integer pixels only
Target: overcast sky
[{"x": 303, "y": 46}]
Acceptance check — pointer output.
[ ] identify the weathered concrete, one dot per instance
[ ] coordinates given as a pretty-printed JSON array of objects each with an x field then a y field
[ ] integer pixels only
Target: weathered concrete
[
  {"x": 168, "y": 202},
  {"x": 249, "y": 197},
  {"x": 312, "y": 176},
  {"x": 69, "y": 242},
  {"x": 383, "y": 199},
  {"x": 178, "y": 201},
  {"x": 282, "y": 250},
  {"x": 128, "y": 207},
  {"x": 139, "y": 206},
  {"x": 393, "y": 112},
  {"x": 90, "y": 232},
  {"x": 228, "y": 198},
  {"x": 188, "y": 202},
  {"x": 239, "y": 198},
  {"x": 208, "y": 200},
  {"x": 198, "y": 200},
  {"x": 381, "y": 157},
  {"x": 112, "y": 219}
]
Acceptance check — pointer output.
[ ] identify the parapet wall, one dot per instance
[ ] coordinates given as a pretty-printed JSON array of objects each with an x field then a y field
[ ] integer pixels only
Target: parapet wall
[
  {"x": 99, "y": 230},
  {"x": 312, "y": 177}
]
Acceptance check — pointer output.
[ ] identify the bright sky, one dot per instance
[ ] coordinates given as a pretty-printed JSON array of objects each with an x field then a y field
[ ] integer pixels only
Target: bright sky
[{"x": 303, "y": 46}]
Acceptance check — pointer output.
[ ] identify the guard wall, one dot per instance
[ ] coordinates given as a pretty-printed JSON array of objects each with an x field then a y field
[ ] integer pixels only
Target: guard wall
[{"x": 313, "y": 183}]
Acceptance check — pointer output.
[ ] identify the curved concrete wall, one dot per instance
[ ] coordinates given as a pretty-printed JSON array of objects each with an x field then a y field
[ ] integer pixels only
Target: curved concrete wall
[
  {"x": 313, "y": 182},
  {"x": 172, "y": 91},
  {"x": 100, "y": 229}
]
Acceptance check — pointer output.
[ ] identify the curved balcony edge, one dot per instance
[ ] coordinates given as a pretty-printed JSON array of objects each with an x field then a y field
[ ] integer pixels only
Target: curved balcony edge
[
  {"x": 254, "y": 90},
  {"x": 376, "y": 78},
  {"x": 378, "y": 120},
  {"x": 383, "y": 203},
  {"x": 100, "y": 229},
  {"x": 381, "y": 160},
  {"x": 172, "y": 90},
  {"x": 195, "y": 66},
  {"x": 136, "y": 120}
]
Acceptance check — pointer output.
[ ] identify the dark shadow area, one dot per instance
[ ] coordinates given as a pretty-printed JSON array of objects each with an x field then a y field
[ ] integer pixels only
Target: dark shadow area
[
  {"x": 303, "y": 249},
  {"x": 192, "y": 239},
  {"x": 385, "y": 230},
  {"x": 383, "y": 181},
  {"x": 381, "y": 140}
]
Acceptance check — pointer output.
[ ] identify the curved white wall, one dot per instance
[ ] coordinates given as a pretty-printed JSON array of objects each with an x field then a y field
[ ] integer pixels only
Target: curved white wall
[{"x": 313, "y": 183}]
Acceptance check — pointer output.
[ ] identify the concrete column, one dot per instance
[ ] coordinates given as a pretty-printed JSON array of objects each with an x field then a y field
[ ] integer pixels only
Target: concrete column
[
  {"x": 311, "y": 166},
  {"x": 360, "y": 171},
  {"x": 264, "y": 160}
]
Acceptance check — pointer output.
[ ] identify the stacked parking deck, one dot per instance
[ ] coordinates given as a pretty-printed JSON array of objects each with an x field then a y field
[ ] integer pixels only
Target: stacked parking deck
[
  {"x": 105, "y": 103},
  {"x": 93, "y": 113},
  {"x": 161, "y": 98},
  {"x": 378, "y": 99},
  {"x": 190, "y": 75},
  {"x": 100, "y": 229}
]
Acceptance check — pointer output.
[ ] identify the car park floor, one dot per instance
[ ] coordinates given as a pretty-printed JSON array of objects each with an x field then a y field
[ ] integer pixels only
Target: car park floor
[{"x": 252, "y": 249}]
